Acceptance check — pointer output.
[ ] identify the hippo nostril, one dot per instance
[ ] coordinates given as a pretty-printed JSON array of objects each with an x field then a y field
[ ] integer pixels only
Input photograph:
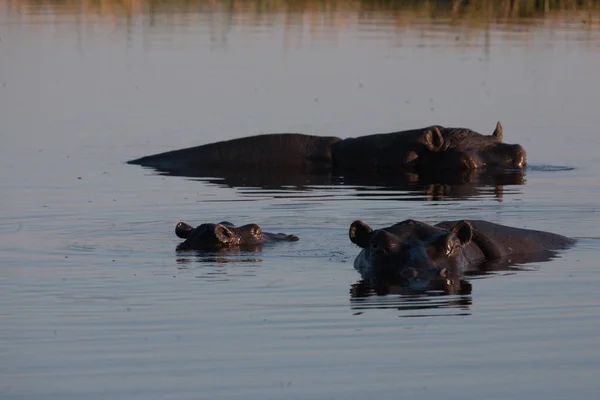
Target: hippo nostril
[
  {"x": 520, "y": 157},
  {"x": 521, "y": 161}
]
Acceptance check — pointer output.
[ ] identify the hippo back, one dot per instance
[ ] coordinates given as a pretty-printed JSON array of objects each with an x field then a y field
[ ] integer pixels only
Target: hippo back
[
  {"x": 382, "y": 152},
  {"x": 498, "y": 241},
  {"x": 280, "y": 151}
]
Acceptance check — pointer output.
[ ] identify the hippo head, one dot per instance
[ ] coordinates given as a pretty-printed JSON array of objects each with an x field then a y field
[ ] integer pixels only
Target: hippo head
[
  {"x": 464, "y": 149},
  {"x": 419, "y": 256},
  {"x": 217, "y": 236}
]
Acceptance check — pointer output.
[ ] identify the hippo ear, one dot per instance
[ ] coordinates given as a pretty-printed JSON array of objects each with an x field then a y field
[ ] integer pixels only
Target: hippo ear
[
  {"x": 498, "y": 131},
  {"x": 433, "y": 139},
  {"x": 463, "y": 231},
  {"x": 182, "y": 230},
  {"x": 223, "y": 233},
  {"x": 360, "y": 234}
]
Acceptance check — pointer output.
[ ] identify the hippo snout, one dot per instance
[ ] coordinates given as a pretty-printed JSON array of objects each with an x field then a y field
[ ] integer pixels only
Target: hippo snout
[
  {"x": 421, "y": 279},
  {"x": 520, "y": 157},
  {"x": 511, "y": 156}
]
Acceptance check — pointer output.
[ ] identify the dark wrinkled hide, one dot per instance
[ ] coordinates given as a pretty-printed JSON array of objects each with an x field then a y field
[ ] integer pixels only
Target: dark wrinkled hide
[
  {"x": 281, "y": 151},
  {"x": 423, "y": 150},
  {"x": 225, "y": 235},
  {"x": 435, "y": 257}
]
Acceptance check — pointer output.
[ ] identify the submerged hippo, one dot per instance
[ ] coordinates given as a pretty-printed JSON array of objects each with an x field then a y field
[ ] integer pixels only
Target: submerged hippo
[
  {"x": 429, "y": 149},
  {"x": 225, "y": 235},
  {"x": 423, "y": 256}
]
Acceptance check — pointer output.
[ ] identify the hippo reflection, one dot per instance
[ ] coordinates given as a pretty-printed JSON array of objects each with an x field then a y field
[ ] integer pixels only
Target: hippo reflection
[
  {"x": 423, "y": 257},
  {"x": 433, "y": 149},
  {"x": 225, "y": 235},
  {"x": 406, "y": 185}
]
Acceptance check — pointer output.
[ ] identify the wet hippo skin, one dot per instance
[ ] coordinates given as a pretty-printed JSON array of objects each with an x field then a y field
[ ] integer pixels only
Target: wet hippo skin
[
  {"x": 430, "y": 149},
  {"x": 225, "y": 235},
  {"x": 423, "y": 256}
]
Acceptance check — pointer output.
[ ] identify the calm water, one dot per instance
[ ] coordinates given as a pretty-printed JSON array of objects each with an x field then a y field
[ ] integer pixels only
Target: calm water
[{"x": 96, "y": 304}]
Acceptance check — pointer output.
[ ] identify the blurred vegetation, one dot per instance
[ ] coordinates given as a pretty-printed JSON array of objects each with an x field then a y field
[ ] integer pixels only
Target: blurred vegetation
[{"x": 404, "y": 12}]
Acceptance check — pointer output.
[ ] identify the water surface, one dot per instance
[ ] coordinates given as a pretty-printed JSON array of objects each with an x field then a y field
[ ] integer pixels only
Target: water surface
[{"x": 97, "y": 303}]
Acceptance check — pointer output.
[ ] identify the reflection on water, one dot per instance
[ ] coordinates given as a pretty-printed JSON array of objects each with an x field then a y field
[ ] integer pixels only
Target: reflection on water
[
  {"x": 466, "y": 185},
  {"x": 402, "y": 186},
  {"x": 309, "y": 12},
  {"x": 453, "y": 23},
  {"x": 337, "y": 192},
  {"x": 223, "y": 265},
  {"x": 449, "y": 301},
  {"x": 444, "y": 291},
  {"x": 220, "y": 257},
  {"x": 364, "y": 296},
  {"x": 111, "y": 321}
]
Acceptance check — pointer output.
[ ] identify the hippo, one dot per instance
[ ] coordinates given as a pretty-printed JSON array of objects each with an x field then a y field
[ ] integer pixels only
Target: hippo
[
  {"x": 433, "y": 149},
  {"x": 214, "y": 237},
  {"x": 425, "y": 257}
]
